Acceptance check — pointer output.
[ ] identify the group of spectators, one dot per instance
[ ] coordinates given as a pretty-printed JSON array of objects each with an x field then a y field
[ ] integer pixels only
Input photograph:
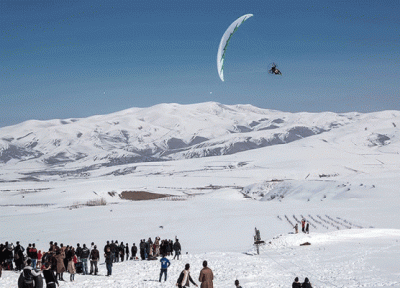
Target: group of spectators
[
  {"x": 150, "y": 249},
  {"x": 76, "y": 259}
]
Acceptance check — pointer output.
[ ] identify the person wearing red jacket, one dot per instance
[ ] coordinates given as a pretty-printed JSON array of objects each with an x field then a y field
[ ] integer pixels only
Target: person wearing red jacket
[{"x": 39, "y": 259}]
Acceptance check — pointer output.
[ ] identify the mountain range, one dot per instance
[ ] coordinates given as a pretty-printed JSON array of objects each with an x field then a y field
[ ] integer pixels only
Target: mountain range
[{"x": 167, "y": 132}]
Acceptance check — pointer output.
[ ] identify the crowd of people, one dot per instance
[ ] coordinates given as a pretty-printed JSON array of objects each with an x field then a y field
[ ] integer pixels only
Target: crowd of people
[{"x": 57, "y": 259}]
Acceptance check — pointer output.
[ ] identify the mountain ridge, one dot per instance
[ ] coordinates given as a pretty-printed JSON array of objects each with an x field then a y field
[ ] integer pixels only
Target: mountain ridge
[{"x": 168, "y": 132}]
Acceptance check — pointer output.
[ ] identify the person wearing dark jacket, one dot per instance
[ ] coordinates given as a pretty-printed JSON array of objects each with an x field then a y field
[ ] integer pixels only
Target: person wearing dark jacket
[
  {"x": 94, "y": 259},
  {"x": 107, "y": 245},
  {"x": 306, "y": 283},
  {"x": 29, "y": 274},
  {"x": 109, "y": 261},
  {"x": 122, "y": 251},
  {"x": 78, "y": 251},
  {"x": 50, "y": 277},
  {"x": 184, "y": 278},
  {"x": 237, "y": 284},
  {"x": 19, "y": 256},
  {"x": 177, "y": 248},
  {"x": 296, "y": 283},
  {"x": 134, "y": 251},
  {"x": 142, "y": 249},
  {"x": 84, "y": 257},
  {"x": 127, "y": 251}
]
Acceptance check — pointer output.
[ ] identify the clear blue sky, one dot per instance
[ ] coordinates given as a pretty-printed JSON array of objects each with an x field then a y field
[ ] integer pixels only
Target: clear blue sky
[{"x": 67, "y": 58}]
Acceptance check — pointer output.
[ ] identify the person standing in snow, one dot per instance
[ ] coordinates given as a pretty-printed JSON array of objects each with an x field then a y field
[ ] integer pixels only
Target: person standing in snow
[
  {"x": 78, "y": 251},
  {"x": 296, "y": 283},
  {"x": 94, "y": 259},
  {"x": 177, "y": 248},
  {"x": 134, "y": 251},
  {"x": 184, "y": 278},
  {"x": 237, "y": 284},
  {"x": 72, "y": 260},
  {"x": 116, "y": 251},
  {"x": 29, "y": 274},
  {"x": 142, "y": 247},
  {"x": 84, "y": 257},
  {"x": 127, "y": 251},
  {"x": 60, "y": 268},
  {"x": 50, "y": 277},
  {"x": 306, "y": 283},
  {"x": 164, "y": 266},
  {"x": 122, "y": 251},
  {"x": 109, "y": 260},
  {"x": 308, "y": 227},
  {"x": 303, "y": 225},
  {"x": 157, "y": 246},
  {"x": 296, "y": 228},
  {"x": 206, "y": 276}
]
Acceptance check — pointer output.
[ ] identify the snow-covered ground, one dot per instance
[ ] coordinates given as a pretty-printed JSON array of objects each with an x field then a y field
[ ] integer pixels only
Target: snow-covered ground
[{"x": 345, "y": 182}]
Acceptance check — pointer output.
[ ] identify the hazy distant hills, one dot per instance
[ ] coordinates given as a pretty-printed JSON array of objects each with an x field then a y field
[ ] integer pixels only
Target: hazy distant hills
[{"x": 172, "y": 131}]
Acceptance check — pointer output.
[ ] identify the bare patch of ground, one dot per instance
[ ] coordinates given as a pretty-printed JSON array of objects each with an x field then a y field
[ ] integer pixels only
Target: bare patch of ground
[{"x": 141, "y": 195}]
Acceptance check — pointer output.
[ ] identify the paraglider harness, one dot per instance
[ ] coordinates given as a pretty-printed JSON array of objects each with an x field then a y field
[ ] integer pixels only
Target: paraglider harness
[{"x": 274, "y": 70}]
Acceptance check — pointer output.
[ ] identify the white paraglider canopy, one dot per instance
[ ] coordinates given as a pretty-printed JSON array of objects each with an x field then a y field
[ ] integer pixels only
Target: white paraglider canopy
[{"x": 225, "y": 41}]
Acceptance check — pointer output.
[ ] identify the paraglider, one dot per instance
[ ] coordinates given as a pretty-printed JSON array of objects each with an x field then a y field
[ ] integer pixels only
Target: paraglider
[
  {"x": 225, "y": 41},
  {"x": 274, "y": 70}
]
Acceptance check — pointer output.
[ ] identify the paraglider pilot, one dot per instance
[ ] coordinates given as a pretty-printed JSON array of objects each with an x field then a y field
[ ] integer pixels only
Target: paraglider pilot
[{"x": 274, "y": 70}]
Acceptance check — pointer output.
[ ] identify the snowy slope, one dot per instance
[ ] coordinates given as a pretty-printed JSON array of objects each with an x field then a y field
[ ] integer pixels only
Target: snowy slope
[{"x": 344, "y": 180}]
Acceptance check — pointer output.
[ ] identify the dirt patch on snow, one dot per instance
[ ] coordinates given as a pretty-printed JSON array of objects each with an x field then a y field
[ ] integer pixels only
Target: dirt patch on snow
[{"x": 141, "y": 195}]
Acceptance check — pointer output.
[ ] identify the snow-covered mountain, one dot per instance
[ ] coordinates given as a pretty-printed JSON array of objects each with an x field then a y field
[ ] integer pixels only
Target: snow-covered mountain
[
  {"x": 172, "y": 131},
  {"x": 338, "y": 171}
]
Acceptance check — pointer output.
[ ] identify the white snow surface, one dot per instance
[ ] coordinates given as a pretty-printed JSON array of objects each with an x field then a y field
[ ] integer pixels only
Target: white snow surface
[{"x": 344, "y": 181}]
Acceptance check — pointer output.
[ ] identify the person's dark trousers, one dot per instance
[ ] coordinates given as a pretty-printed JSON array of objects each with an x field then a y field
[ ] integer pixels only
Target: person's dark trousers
[
  {"x": 109, "y": 269},
  {"x": 163, "y": 271}
]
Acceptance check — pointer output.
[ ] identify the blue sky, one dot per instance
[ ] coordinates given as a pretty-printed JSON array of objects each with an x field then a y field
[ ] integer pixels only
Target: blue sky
[{"x": 67, "y": 59}]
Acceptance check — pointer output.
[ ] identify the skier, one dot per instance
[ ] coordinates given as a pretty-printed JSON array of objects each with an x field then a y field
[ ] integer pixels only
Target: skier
[
  {"x": 308, "y": 227},
  {"x": 296, "y": 283},
  {"x": 237, "y": 284},
  {"x": 296, "y": 228},
  {"x": 164, "y": 266}
]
